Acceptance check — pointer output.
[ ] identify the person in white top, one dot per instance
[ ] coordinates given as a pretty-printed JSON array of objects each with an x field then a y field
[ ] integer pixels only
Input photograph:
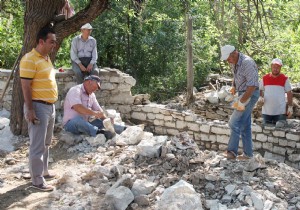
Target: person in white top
[
  {"x": 84, "y": 54},
  {"x": 273, "y": 88}
]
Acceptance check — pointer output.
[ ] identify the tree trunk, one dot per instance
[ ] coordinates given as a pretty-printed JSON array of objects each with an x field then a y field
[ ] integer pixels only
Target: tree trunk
[
  {"x": 240, "y": 24},
  {"x": 39, "y": 13},
  {"x": 190, "y": 71}
]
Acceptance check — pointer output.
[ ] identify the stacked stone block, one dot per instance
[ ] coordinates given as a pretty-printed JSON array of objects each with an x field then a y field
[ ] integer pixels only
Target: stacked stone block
[{"x": 282, "y": 145}]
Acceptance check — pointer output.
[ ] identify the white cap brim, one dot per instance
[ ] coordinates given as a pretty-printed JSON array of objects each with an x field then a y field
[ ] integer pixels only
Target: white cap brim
[
  {"x": 86, "y": 26},
  {"x": 224, "y": 56},
  {"x": 225, "y": 51},
  {"x": 277, "y": 61}
]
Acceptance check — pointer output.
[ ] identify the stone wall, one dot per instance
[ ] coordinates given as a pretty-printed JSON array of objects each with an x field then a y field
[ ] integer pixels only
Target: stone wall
[
  {"x": 115, "y": 87},
  {"x": 282, "y": 145}
]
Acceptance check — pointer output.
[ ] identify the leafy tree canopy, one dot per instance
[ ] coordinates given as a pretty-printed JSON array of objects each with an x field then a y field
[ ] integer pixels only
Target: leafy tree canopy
[{"x": 146, "y": 38}]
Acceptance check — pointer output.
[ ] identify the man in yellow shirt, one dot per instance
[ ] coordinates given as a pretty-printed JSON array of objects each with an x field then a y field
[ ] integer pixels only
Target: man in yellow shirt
[{"x": 40, "y": 93}]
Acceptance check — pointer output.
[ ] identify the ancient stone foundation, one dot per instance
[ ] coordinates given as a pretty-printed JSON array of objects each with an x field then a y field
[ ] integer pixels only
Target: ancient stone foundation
[{"x": 282, "y": 145}]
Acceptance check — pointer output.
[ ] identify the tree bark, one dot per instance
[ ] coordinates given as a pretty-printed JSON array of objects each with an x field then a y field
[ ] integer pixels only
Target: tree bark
[
  {"x": 190, "y": 70},
  {"x": 240, "y": 24},
  {"x": 39, "y": 13}
]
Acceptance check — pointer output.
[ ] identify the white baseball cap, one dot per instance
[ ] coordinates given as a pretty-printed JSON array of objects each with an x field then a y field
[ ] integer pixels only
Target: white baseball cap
[
  {"x": 225, "y": 51},
  {"x": 277, "y": 61},
  {"x": 86, "y": 26}
]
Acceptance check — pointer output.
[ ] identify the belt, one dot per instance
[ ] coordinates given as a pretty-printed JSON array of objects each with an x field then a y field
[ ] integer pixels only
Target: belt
[
  {"x": 257, "y": 88},
  {"x": 42, "y": 102}
]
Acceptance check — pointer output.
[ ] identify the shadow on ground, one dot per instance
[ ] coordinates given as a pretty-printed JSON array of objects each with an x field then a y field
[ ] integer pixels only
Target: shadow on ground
[{"x": 16, "y": 195}]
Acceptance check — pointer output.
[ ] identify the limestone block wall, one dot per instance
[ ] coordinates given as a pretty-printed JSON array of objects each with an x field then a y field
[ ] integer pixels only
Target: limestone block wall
[
  {"x": 6, "y": 103},
  {"x": 115, "y": 87},
  {"x": 282, "y": 145}
]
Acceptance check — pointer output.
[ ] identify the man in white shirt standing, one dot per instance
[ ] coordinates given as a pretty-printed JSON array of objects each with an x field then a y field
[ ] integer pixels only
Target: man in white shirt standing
[
  {"x": 273, "y": 87},
  {"x": 84, "y": 54}
]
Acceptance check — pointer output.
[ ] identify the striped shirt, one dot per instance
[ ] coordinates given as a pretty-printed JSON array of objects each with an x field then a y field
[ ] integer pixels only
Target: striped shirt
[
  {"x": 245, "y": 73},
  {"x": 81, "y": 48},
  {"x": 35, "y": 67},
  {"x": 274, "y": 93}
]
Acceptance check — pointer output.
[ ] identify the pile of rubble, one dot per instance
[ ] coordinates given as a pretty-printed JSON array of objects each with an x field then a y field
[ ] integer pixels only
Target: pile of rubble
[
  {"x": 212, "y": 103},
  {"x": 157, "y": 172}
]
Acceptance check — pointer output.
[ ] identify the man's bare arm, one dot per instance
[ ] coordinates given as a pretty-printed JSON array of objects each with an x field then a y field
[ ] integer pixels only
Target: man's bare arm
[
  {"x": 261, "y": 93},
  {"x": 248, "y": 93},
  {"x": 290, "y": 98},
  {"x": 27, "y": 93},
  {"x": 85, "y": 111}
]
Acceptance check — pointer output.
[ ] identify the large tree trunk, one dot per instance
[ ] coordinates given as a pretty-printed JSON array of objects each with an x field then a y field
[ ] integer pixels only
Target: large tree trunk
[{"x": 39, "y": 13}]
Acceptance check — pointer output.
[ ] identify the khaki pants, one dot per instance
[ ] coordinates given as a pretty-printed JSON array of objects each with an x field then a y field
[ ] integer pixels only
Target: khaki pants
[{"x": 40, "y": 138}]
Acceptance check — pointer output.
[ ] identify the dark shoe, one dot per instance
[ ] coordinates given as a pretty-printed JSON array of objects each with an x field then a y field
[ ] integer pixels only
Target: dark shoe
[
  {"x": 47, "y": 177},
  {"x": 107, "y": 134},
  {"x": 229, "y": 155},
  {"x": 50, "y": 176},
  {"x": 43, "y": 187},
  {"x": 100, "y": 131}
]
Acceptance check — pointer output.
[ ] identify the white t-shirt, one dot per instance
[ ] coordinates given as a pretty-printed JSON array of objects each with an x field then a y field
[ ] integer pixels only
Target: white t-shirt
[{"x": 274, "y": 94}]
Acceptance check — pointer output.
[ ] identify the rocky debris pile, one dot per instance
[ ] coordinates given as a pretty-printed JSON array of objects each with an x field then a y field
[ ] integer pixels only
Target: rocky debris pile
[
  {"x": 202, "y": 107},
  {"x": 213, "y": 104},
  {"x": 160, "y": 172},
  {"x": 7, "y": 139},
  {"x": 141, "y": 99},
  {"x": 296, "y": 99}
]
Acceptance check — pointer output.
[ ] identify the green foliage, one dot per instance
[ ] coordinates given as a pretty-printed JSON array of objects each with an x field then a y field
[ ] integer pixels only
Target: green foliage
[
  {"x": 205, "y": 35},
  {"x": 148, "y": 44},
  {"x": 11, "y": 32},
  {"x": 63, "y": 55},
  {"x": 276, "y": 34},
  {"x": 147, "y": 39}
]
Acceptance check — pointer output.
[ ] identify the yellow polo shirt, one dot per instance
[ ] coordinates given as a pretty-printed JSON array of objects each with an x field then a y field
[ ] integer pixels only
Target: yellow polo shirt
[{"x": 34, "y": 66}]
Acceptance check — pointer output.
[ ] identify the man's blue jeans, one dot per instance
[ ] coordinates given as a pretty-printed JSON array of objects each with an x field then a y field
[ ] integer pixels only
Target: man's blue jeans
[
  {"x": 80, "y": 75},
  {"x": 78, "y": 125},
  {"x": 240, "y": 125},
  {"x": 272, "y": 119}
]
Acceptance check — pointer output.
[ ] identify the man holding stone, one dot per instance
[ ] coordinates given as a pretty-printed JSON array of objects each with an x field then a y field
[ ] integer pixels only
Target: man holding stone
[{"x": 83, "y": 114}]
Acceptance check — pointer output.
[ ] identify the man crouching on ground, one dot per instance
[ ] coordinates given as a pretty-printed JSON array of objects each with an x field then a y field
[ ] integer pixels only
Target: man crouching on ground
[{"x": 81, "y": 107}]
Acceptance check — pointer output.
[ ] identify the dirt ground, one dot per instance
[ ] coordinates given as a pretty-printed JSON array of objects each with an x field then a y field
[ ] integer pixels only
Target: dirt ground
[{"x": 15, "y": 191}]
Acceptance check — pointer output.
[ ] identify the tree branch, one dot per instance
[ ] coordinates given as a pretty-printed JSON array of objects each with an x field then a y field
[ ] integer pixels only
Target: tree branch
[
  {"x": 73, "y": 24},
  {"x": 67, "y": 27}
]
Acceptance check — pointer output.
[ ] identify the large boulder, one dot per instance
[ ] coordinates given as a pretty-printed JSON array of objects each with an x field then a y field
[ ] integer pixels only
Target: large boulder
[
  {"x": 151, "y": 147},
  {"x": 181, "y": 196}
]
